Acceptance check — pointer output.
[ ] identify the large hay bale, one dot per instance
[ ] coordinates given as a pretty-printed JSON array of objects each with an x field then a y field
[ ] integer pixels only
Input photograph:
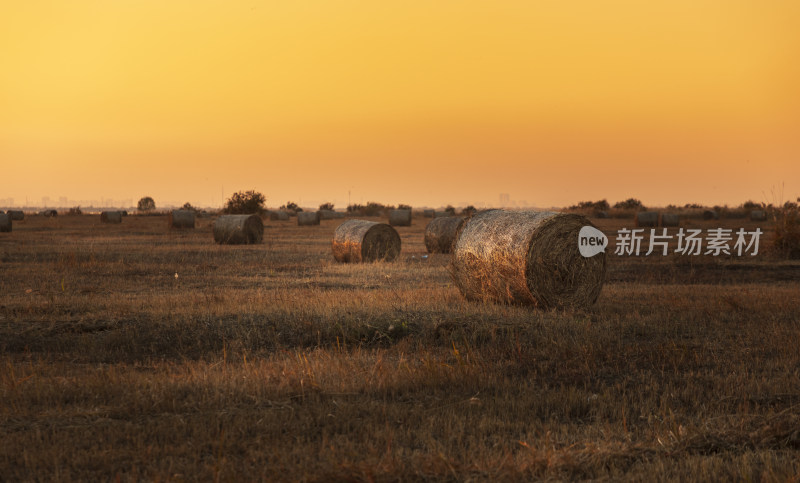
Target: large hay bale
[
  {"x": 279, "y": 215},
  {"x": 49, "y": 213},
  {"x": 755, "y": 215},
  {"x": 428, "y": 213},
  {"x": 365, "y": 241},
  {"x": 441, "y": 234},
  {"x": 710, "y": 215},
  {"x": 327, "y": 215},
  {"x": 528, "y": 258},
  {"x": 670, "y": 219},
  {"x": 111, "y": 217},
  {"x": 307, "y": 218},
  {"x": 16, "y": 215},
  {"x": 400, "y": 217},
  {"x": 238, "y": 229},
  {"x": 182, "y": 219},
  {"x": 5, "y": 222},
  {"x": 647, "y": 218}
]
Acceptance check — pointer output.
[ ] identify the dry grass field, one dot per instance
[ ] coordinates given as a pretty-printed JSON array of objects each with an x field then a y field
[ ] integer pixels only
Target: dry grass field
[{"x": 135, "y": 352}]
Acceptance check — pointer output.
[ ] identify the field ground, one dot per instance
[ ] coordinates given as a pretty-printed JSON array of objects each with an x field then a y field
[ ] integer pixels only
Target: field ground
[{"x": 137, "y": 352}]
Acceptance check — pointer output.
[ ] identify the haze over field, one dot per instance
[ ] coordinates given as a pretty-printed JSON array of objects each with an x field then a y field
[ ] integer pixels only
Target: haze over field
[{"x": 426, "y": 103}]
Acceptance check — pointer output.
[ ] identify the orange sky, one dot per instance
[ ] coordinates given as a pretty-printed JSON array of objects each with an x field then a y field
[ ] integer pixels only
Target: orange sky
[{"x": 421, "y": 102}]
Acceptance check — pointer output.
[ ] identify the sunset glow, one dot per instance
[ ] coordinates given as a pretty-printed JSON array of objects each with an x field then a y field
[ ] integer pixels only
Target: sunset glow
[{"x": 418, "y": 102}]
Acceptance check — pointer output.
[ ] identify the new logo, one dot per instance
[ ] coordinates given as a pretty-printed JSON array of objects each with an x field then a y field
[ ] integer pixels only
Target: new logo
[{"x": 591, "y": 241}]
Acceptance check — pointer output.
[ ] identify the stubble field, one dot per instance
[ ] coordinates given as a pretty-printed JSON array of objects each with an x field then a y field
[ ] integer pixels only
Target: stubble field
[{"x": 135, "y": 352}]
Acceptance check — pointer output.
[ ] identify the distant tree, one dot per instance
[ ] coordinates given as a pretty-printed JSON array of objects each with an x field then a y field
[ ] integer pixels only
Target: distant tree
[
  {"x": 146, "y": 204},
  {"x": 291, "y": 206},
  {"x": 245, "y": 202},
  {"x": 469, "y": 210},
  {"x": 402, "y": 206},
  {"x": 355, "y": 208},
  {"x": 450, "y": 209},
  {"x": 326, "y": 206},
  {"x": 188, "y": 206},
  {"x": 75, "y": 210}
]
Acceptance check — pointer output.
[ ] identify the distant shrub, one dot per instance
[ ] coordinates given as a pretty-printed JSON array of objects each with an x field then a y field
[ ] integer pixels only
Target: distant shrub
[
  {"x": 245, "y": 202},
  {"x": 403, "y": 207},
  {"x": 693, "y": 206},
  {"x": 450, "y": 209},
  {"x": 752, "y": 205},
  {"x": 469, "y": 210},
  {"x": 326, "y": 206},
  {"x": 75, "y": 210},
  {"x": 146, "y": 204},
  {"x": 630, "y": 204},
  {"x": 372, "y": 208},
  {"x": 188, "y": 207},
  {"x": 291, "y": 206},
  {"x": 601, "y": 205}
]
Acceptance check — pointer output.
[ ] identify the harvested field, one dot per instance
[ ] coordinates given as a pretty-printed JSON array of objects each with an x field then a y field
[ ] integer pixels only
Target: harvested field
[{"x": 145, "y": 353}]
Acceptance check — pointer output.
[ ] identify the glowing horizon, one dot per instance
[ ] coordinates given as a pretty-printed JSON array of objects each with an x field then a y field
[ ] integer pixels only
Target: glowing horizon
[{"x": 400, "y": 102}]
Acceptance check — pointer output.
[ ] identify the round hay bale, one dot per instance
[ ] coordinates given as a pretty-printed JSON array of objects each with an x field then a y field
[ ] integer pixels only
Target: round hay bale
[
  {"x": 111, "y": 217},
  {"x": 16, "y": 215},
  {"x": 123, "y": 212},
  {"x": 278, "y": 216},
  {"x": 327, "y": 215},
  {"x": 307, "y": 218},
  {"x": 428, "y": 213},
  {"x": 647, "y": 218},
  {"x": 441, "y": 234},
  {"x": 49, "y": 213},
  {"x": 182, "y": 219},
  {"x": 527, "y": 258},
  {"x": 5, "y": 222},
  {"x": 710, "y": 215},
  {"x": 755, "y": 215},
  {"x": 238, "y": 229},
  {"x": 670, "y": 219},
  {"x": 357, "y": 241},
  {"x": 400, "y": 217},
  {"x": 441, "y": 214}
]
